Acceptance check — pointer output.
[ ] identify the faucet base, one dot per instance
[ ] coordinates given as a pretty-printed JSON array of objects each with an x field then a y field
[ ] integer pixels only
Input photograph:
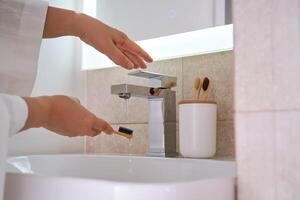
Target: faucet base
[
  {"x": 162, "y": 154},
  {"x": 156, "y": 154}
]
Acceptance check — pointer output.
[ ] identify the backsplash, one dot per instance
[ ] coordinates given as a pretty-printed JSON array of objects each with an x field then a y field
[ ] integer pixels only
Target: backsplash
[{"x": 132, "y": 113}]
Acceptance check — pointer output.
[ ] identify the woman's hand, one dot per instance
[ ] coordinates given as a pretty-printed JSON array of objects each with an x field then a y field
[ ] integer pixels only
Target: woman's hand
[
  {"x": 111, "y": 42},
  {"x": 63, "y": 115}
]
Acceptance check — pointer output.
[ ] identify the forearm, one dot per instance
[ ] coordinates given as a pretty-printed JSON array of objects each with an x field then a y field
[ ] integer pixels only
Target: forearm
[
  {"x": 63, "y": 115},
  {"x": 61, "y": 22},
  {"x": 113, "y": 43},
  {"x": 38, "y": 111}
]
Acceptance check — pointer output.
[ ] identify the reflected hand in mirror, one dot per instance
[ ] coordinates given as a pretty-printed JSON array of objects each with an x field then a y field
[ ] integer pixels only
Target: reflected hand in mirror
[
  {"x": 63, "y": 115},
  {"x": 111, "y": 42}
]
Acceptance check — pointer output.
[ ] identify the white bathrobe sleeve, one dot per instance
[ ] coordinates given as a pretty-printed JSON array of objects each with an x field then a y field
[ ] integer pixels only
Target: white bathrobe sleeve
[
  {"x": 18, "y": 112},
  {"x": 13, "y": 115},
  {"x": 4, "y": 130},
  {"x": 21, "y": 30}
]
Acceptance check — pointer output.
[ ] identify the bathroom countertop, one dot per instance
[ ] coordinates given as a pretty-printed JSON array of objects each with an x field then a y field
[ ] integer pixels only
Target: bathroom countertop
[{"x": 224, "y": 158}]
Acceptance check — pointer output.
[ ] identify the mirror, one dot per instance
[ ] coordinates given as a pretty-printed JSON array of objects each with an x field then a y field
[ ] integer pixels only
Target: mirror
[{"x": 166, "y": 29}]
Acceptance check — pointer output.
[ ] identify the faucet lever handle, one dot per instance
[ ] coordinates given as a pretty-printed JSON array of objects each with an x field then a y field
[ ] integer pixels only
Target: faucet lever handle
[{"x": 151, "y": 75}]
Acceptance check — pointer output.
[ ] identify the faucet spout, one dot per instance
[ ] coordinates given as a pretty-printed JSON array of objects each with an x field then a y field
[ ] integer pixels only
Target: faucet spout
[{"x": 125, "y": 91}]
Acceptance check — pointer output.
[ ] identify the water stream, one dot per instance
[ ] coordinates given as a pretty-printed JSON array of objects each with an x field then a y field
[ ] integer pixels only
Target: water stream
[{"x": 126, "y": 119}]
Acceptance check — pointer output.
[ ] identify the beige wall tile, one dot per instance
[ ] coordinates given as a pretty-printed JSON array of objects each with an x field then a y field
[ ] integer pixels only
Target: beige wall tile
[
  {"x": 253, "y": 56},
  {"x": 99, "y": 99},
  {"x": 255, "y": 148},
  {"x": 287, "y": 129},
  {"x": 225, "y": 139},
  {"x": 218, "y": 67},
  {"x": 286, "y": 51},
  {"x": 116, "y": 110},
  {"x": 267, "y": 49},
  {"x": 111, "y": 144},
  {"x": 267, "y": 154}
]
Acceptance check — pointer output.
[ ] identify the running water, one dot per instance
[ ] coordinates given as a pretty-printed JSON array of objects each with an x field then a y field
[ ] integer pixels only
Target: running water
[
  {"x": 126, "y": 110},
  {"x": 126, "y": 119}
]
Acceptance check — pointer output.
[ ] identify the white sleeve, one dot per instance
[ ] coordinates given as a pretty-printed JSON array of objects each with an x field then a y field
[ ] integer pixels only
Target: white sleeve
[
  {"x": 4, "y": 129},
  {"x": 21, "y": 31},
  {"x": 13, "y": 114},
  {"x": 17, "y": 112}
]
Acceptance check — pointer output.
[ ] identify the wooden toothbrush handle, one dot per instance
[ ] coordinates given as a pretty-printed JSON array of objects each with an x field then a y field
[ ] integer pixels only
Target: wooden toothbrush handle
[
  {"x": 168, "y": 85},
  {"x": 199, "y": 90},
  {"x": 123, "y": 134},
  {"x": 205, "y": 94}
]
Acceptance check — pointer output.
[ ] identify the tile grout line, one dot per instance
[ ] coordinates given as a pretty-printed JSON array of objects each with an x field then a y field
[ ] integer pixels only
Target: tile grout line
[
  {"x": 146, "y": 123},
  {"x": 133, "y": 123},
  {"x": 267, "y": 111},
  {"x": 182, "y": 79}
]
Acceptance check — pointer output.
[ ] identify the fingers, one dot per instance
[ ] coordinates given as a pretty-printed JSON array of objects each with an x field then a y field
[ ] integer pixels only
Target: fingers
[
  {"x": 108, "y": 129},
  {"x": 113, "y": 44},
  {"x": 75, "y": 99},
  {"x": 115, "y": 54},
  {"x": 120, "y": 59},
  {"x": 135, "y": 49},
  {"x": 101, "y": 125},
  {"x": 123, "y": 52},
  {"x": 125, "y": 58},
  {"x": 94, "y": 132},
  {"x": 138, "y": 62}
]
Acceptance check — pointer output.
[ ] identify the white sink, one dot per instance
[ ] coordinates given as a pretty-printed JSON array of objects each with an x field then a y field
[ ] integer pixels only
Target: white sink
[{"x": 97, "y": 177}]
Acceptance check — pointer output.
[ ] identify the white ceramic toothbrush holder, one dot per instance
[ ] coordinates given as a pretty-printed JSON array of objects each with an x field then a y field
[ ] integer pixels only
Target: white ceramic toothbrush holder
[{"x": 197, "y": 128}]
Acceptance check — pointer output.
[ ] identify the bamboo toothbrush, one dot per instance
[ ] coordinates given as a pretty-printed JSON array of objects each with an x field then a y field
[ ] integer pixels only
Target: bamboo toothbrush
[
  {"x": 205, "y": 87},
  {"x": 197, "y": 87},
  {"x": 125, "y": 132},
  {"x": 168, "y": 85}
]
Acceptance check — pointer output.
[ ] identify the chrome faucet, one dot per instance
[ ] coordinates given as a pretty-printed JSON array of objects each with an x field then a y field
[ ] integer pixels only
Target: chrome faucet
[{"x": 162, "y": 111}]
